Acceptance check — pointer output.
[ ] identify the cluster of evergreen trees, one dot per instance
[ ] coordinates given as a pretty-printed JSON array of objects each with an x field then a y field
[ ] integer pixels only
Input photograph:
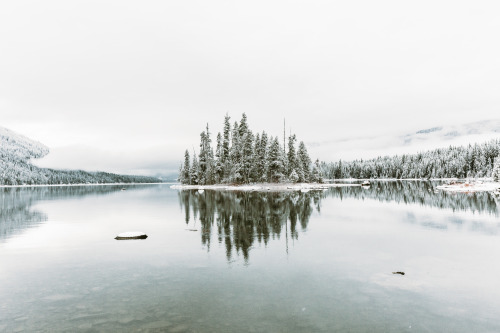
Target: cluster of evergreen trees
[
  {"x": 478, "y": 160},
  {"x": 242, "y": 157}
]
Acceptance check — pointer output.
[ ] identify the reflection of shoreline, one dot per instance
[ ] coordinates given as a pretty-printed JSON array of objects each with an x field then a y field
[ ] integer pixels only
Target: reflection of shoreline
[
  {"x": 72, "y": 185},
  {"x": 262, "y": 187},
  {"x": 16, "y": 214},
  {"x": 423, "y": 193}
]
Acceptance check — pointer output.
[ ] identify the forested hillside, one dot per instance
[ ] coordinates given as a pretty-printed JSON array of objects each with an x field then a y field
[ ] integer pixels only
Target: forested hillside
[
  {"x": 476, "y": 160},
  {"x": 16, "y": 151},
  {"x": 242, "y": 157}
]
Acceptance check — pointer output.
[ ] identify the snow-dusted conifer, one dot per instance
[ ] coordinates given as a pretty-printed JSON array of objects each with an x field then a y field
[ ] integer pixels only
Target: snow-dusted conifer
[
  {"x": 262, "y": 159},
  {"x": 495, "y": 174},
  {"x": 292, "y": 164},
  {"x": 294, "y": 177},
  {"x": 316, "y": 175},
  {"x": 305, "y": 161},
  {"x": 194, "y": 172},
  {"x": 225, "y": 142},
  {"x": 247, "y": 158},
  {"x": 184, "y": 177},
  {"x": 218, "y": 160},
  {"x": 275, "y": 161}
]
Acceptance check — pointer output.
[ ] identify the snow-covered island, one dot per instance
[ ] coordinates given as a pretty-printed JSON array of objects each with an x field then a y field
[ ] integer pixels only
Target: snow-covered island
[{"x": 244, "y": 157}]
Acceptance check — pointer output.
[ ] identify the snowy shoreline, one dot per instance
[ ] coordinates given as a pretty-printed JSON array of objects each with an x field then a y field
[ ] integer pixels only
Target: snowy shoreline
[
  {"x": 304, "y": 187},
  {"x": 469, "y": 187}
]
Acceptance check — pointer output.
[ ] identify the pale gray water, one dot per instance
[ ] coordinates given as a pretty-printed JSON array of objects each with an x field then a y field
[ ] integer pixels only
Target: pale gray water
[{"x": 268, "y": 262}]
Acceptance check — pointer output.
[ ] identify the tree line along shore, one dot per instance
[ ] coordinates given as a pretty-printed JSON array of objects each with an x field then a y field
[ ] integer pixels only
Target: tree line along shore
[
  {"x": 473, "y": 161},
  {"x": 242, "y": 157}
]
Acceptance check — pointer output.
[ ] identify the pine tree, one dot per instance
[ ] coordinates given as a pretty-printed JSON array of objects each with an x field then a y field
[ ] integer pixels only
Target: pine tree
[
  {"x": 219, "y": 172},
  {"x": 305, "y": 162},
  {"x": 495, "y": 174},
  {"x": 247, "y": 156},
  {"x": 262, "y": 158},
  {"x": 207, "y": 164},
  {"x": 225, "y": 142},
  {"x": 275, "y": 161},
  {"x": 243, "y": 128},
  {"x": 294, "y": 177},
  {"x": 292, "y": 156},
  {"x": 316, "y": 175},
  {"x": 254, "y": 172},
  {"x": 194, "y": 171},
  {"x": 184, "y": 178}
]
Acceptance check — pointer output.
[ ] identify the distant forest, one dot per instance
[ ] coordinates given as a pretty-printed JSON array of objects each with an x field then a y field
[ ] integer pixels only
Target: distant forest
[
  {"x": 15, "y": 167},
  {"x": 478, "y": 160},
  {"x": 242, "y": 157}
]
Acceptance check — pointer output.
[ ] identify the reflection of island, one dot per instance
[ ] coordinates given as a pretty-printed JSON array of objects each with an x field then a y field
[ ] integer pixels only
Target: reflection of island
[
  {"x": 242, "y": 218},
  {"x": 17, "y": 215},
  {"x": 239, "y": 219}
]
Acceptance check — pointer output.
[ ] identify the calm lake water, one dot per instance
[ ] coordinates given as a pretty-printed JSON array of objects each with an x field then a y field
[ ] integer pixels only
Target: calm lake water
[{"x": 217, "y": 261}]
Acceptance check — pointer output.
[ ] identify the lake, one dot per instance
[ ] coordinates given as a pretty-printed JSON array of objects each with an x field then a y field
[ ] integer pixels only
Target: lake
[{"x": 224, "y": 261}]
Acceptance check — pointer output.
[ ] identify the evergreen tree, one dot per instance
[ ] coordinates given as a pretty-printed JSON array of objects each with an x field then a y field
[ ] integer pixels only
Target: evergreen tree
[
  {"x": 255, "y": 172},
  {"x": 219, "y": 164},
  {"x": 247, "y": 156},
  {"x": 316, "y": 175},
  {"x": 275, "y": 161},
  {"x": 495, "y": 174},
  {"x": 194, "y": 172},
  {"x": 304, "y": 161},
  {"x": 263, "y": 168},
  {"x": 292, "y": 164},
  {"x": 294, "y": 177},
  {"x": 207, "y": 164},
  {"x": 243, "y": 128},
  {"x": 184, "y": 177},
  {"x": 226, "y": 143}
]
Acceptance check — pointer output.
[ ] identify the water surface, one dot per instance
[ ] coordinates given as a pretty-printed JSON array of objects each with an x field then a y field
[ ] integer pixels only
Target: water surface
[{"x": 221, "y": 261}]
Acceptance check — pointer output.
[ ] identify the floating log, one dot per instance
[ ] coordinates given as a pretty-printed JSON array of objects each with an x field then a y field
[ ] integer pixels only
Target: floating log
[{"x": 131, "y": 235}]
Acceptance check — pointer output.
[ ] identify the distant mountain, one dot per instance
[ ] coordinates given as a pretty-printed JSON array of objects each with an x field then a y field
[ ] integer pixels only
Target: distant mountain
[
  {"x": 17, "y": 151},
  {"x": 455, "y": 134},
  {"x": 388, "y": 142}
]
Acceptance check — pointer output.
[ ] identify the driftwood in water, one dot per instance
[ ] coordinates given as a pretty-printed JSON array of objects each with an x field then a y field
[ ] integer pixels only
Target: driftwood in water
[{"x": 131, "y": 235}]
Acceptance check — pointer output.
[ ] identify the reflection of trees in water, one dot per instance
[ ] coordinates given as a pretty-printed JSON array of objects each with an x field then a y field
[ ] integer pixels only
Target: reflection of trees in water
[
  {"x": 242, "y": 218},
  {"x": 423, "y": 193},
  {"x": 16, "y": 213}
]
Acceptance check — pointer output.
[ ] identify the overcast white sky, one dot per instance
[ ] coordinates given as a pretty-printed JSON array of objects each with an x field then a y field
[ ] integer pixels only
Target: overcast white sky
[{"x": 127, "y": 86}]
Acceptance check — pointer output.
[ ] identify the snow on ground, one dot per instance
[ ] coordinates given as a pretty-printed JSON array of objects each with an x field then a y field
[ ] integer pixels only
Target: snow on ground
[
  {"x": 479, "y": 186},
  {"x": 262, "y": 187}
]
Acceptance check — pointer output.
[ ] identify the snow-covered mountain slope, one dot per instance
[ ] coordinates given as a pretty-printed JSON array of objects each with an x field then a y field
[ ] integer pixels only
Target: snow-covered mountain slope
[
  {"x": 17, "y": 147},
  {"x": 17, "y": 152}
]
